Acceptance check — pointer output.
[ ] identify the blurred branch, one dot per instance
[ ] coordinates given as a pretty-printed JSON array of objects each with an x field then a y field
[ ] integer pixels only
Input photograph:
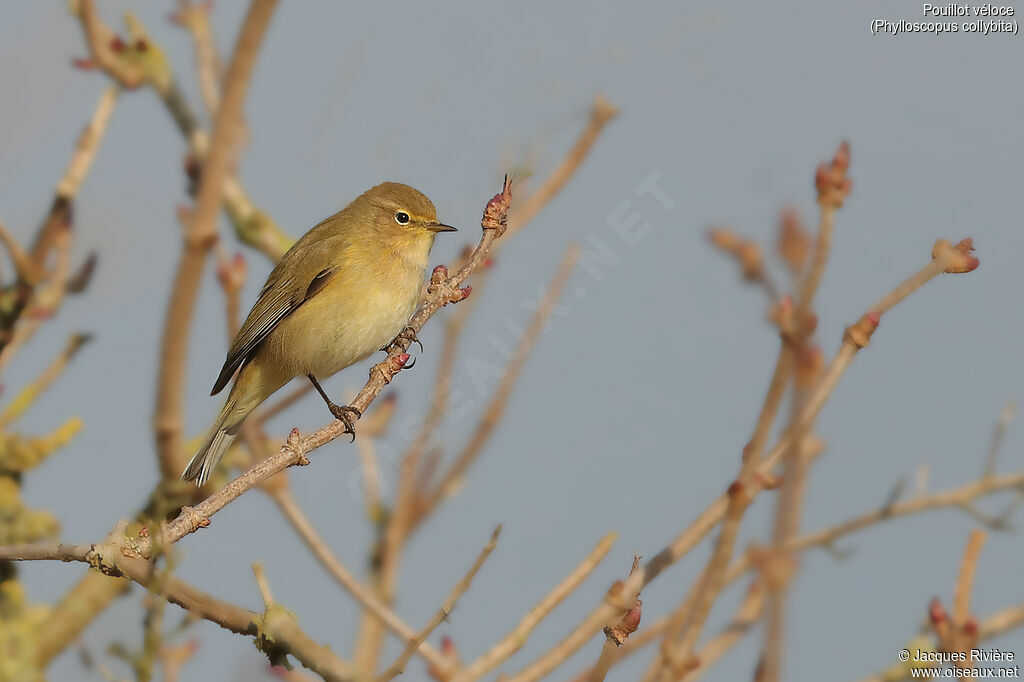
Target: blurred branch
[
  {"x": 743, "y": 622},
  {"x": 833, "y": 185},
  {"x": 601, "y": 113},
  {"x": 954, "y": 497},
  {"x": 90, "y": 596},
  {"x": 276, "y": 631},
  {"x": 195, "y": 18},
  {"x": 33, "y": 390},
  {"x": 496, "y": 408},
  {"x": 515, "y": 640},
  {"x": 747, "y": 255},
  {"x": 283, "y": 498},
  {"x": 1001, "y": 622},
  {"x": 139, "y": 61},
  {"x": 998, "y": 435},
  {"x": 200, "y": 236},
  {"x": 87, "y": 146},
  {"x": 965, "y": 581},
  {"x": 52, "y": 235},
  {"x": 460, "y": 588}
]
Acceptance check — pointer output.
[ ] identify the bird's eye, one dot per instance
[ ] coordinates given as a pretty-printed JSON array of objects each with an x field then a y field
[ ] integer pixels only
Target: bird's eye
[{"x": 402, "y": 218}]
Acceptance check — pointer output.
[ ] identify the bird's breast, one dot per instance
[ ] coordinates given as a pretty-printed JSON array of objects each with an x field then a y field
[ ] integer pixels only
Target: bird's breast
[{"x": 357, "y": 312}]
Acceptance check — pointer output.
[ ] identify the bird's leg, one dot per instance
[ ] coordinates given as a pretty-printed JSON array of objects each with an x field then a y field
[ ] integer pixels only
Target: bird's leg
[
  {"x": 342, "y": 413},
  {"x": 407, "y": 333}
]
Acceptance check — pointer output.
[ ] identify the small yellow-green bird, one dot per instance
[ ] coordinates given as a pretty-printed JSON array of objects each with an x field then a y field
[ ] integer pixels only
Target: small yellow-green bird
[{"x": 344, "y": 290}]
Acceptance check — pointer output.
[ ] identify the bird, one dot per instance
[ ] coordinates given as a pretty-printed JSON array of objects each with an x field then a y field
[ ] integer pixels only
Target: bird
[{"x": 344, "y": 290}]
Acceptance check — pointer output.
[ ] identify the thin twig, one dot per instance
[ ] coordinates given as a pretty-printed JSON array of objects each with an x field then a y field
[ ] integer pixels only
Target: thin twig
[
  {"x": 283, "y": 498},
  {"x": 496, "y": 408},
  {"x": 283, "y": 631},
  {"x": 945, "y": 499},
  {"x": 28, "y": 395},
  {"x": 195, "y": 18},
  {"x": 745, "y": 619},
  {"x": 460, "y": 588},
  {"x": 604, "y": 661},
  {"x": 998, "y": 434},
  {"x": 87, "y": 145},
  {"x": 965, "y": 581},
  {"x": 515, "y": 640},
  {"x": 601, "y": 113}
]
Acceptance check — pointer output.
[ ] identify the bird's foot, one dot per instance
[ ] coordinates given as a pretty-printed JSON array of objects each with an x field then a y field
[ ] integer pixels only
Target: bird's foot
[
  {"x": 408, "y": 334},
  {"x": 344, "y": 413}
]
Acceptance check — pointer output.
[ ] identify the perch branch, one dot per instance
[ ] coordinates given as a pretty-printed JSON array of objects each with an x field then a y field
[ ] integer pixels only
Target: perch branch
[{"x": 444, "y": 289}]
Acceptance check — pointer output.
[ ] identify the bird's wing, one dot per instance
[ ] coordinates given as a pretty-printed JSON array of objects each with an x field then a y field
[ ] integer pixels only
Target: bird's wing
[{"x": 281, "y": 296}]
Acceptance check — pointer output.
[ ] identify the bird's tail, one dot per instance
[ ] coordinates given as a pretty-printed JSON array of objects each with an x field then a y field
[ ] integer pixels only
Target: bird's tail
[
  {"x": 252, "y": 386},
  {"x": 217, "y": 443}
]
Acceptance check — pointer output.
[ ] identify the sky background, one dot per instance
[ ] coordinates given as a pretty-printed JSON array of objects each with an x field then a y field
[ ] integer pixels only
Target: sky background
[{"x": 635, "y": 404}]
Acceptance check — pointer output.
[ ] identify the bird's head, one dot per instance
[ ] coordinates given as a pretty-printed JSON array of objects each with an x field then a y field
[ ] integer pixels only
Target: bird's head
[{"x": 402, "y": 212}]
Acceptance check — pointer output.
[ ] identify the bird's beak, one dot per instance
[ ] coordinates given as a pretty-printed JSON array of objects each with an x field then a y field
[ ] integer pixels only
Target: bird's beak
[{"x": 439, "y": 227}]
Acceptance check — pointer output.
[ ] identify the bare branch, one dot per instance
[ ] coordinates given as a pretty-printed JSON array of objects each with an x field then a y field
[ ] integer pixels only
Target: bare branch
[
  {"x": 515, "y": 640},
  {"x": 278, "y": 629},
  {"x": 460, "y": 588}
]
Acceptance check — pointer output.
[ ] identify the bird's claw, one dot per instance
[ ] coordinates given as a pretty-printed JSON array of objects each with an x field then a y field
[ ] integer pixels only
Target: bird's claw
[
  {"x": 409, "y": 334},
  {"x": 343, "y": 413}
]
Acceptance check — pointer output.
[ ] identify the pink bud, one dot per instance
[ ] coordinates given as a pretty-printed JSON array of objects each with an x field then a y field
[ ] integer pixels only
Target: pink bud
[
  {"x": 936, "y": 611},
  {"x": 822, "y": 179},
  {"x": 841, "y": 161}
]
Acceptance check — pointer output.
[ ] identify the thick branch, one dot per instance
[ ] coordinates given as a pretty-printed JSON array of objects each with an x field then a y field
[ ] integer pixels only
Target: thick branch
[{"x": 278, "y": 628}]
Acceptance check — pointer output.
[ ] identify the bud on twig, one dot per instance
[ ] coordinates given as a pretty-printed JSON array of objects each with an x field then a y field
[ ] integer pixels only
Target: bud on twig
[
  {"x": 794, "y": 244},
  {"x": 831, "y": 180},
  {"x": 958, "y": 259},
  {"x": 860, "y": 333},
  {"x": 496, "y": 212}
]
